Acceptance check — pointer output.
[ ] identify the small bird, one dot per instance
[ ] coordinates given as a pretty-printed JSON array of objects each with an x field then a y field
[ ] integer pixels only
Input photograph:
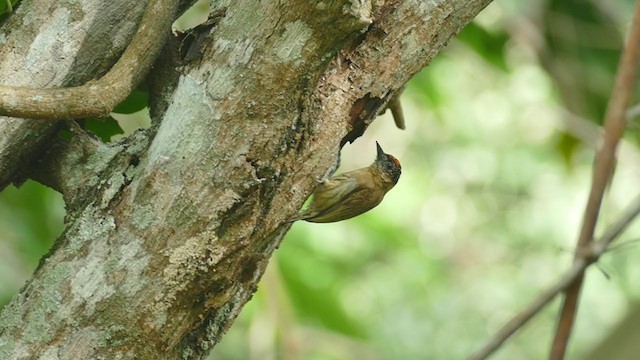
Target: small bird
[{"x": 353, "y": 193}]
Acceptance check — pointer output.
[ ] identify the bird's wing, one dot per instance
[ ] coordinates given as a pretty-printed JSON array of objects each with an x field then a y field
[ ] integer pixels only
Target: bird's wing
[
  {"x": 328, "y": 195},
  {"x": 331, "y": 196},
  {"x": 333, "y": 191}
]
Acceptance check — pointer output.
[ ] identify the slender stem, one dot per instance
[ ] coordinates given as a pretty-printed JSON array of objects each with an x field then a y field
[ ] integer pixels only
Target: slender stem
[
  {"x": 595, "y": 251},
  {"x": 614, "y": 125}
]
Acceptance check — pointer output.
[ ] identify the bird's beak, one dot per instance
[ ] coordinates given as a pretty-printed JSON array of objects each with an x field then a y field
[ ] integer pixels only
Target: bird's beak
[{"x": 381, "y": 155}]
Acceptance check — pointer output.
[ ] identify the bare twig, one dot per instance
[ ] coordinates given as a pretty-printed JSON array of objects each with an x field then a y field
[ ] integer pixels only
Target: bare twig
[
  {"x": 396, "y": 109},
  {"x": 613, "y": 232},
  {"x": 98, "y": 98},
  {"x": 614, "y": 125},
  {"x": 580, "y": 264}
]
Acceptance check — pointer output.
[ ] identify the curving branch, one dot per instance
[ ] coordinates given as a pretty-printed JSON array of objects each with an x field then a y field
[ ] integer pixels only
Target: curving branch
[
  {"x": 97, "y": 99},
  {"x": 56, "y": 44}
]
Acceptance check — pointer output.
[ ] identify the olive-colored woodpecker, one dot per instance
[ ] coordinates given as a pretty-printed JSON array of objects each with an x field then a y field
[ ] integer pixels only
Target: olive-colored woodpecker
[{"x": 353, "y": 193}]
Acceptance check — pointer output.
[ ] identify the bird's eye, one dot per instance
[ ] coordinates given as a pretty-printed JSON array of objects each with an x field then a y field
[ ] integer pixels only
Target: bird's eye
[
  {"x": 393, "y": 160},
  {"x": 390, "y": 167}
]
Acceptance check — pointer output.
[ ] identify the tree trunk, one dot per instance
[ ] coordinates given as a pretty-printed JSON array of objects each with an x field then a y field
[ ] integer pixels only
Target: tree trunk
[{"x": 169, "y": 231}]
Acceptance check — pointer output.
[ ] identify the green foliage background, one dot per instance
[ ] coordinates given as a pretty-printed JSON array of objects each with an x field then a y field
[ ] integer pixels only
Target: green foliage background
[{"x": 496, "y": 159}]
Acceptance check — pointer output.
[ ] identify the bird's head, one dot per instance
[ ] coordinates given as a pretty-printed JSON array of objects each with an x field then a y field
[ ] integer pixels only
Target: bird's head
[{"x": 388, "y": 165}]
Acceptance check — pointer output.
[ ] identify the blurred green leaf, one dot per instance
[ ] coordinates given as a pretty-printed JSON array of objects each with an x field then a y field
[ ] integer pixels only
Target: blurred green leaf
[
  {"x": 6, "y": 8},
  {"x": 103, "y": 128},
  {"x": 426, "y": 88},
  {"x": 65, "y": 134},
  {"x": 31, "y": 218},
  {"x": 135, "y": 102},
  {"x": 567, "y": 146},
  {"x": 31, "y": 205},
  {"x": 489, "y": 45},
  {"x": 313, "y": 287},
  {"x": 581, "y": 51}
]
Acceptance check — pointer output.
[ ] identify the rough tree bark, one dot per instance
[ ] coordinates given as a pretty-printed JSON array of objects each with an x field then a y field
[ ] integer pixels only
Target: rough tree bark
[{"x": 169, "y": 231}]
